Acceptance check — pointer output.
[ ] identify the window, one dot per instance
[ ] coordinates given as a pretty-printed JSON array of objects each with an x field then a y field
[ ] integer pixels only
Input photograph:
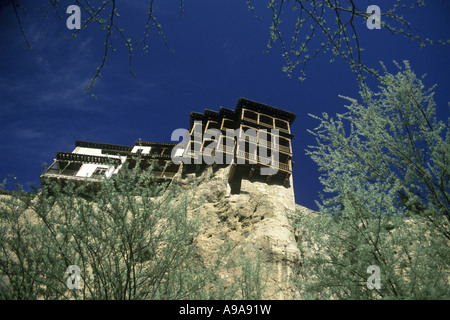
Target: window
[
  {"x": 250, "y": 115},
  {"x": 71, "y": 169},
  {"x": 99, "y": 172}
]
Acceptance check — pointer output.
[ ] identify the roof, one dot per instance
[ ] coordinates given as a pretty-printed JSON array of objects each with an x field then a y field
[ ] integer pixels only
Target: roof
[
  {"x": 155, "y": 143},
  {"x": 195, "y": 116},
  {"x": 103, "y": 146},
  {"x": 234, "y": 114},
  {"x": 264, "y": 108},
  {"x": 85, "y": 158}
]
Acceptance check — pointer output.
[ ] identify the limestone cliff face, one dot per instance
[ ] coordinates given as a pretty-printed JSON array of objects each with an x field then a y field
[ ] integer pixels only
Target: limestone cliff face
[{"x": 252, "y": 219}]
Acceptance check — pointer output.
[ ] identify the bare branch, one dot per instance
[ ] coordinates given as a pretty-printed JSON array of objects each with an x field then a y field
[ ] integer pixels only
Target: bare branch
[{"x": 16, "y": 4}]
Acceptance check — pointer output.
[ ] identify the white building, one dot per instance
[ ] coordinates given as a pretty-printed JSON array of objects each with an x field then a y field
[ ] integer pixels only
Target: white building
[{"x": 92, "y": 161}]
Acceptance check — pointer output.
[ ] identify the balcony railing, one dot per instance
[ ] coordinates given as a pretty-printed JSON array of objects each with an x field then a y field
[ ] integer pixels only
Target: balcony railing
[
  {"x": 222, "y": 148},
  {"x": 268, "y": 144},
  {"x": 53, "y": 171},
  {"x": 65, "y": 172},
  {"x": 285, "y": 149},
  {"x": 167, "y": 175},
  {"x": 250, "y": 119},
  {"x": 264, "y": 161},
  {"x": 265, "y": 124},
  {"x": 281, "y": 148},
  {"x": 191, "y": 154}
]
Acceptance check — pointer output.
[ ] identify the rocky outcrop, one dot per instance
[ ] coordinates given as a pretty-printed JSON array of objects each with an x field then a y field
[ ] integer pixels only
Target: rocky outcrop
[{"x": 253, "y": 221}]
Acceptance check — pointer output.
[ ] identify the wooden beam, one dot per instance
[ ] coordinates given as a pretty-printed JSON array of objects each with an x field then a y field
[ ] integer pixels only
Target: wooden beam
[
  {"x": 252, "y": 171},
  {"x": 165, "y": 167},
  {"x": 286, "y": 180},
  {"x": 232, "y": 170},
  {"x": 62, "y": 170}
]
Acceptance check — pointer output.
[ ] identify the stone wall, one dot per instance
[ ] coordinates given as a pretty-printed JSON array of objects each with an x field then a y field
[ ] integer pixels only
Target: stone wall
[{"x": 253, "y": 221}]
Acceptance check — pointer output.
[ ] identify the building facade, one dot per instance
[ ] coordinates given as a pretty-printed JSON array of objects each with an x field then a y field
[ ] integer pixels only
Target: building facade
[{"x": 251, "y": 138}]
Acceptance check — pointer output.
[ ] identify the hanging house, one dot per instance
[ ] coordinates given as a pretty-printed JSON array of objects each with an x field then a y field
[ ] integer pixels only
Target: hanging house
[
  {"x": 243, "y": 148},
  {"x": 93, "y": 161},
  {"x": 270, "y": 128}
]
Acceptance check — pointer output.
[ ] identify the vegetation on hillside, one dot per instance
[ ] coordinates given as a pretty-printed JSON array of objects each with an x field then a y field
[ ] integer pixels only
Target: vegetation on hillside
[
  {"x": 385, "y": 167},
  {"x": 132, "y": 239}
]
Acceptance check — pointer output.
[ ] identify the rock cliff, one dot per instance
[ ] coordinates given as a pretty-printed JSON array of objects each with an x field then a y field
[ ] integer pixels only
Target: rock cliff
[{"x": 252, "y": 219}]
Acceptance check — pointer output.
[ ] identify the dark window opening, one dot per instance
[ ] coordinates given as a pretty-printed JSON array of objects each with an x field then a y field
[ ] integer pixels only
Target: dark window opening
[
  {"x": 235, "y": 185},
  {"x": 99, "y": 172}
]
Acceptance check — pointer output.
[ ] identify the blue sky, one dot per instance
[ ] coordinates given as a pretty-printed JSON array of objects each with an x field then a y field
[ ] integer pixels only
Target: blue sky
[{"x": 218, "y": 57}]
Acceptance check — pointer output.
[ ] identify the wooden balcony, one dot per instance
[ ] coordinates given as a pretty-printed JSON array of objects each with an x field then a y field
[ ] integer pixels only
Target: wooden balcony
[
  {"x": 265, "y": 120},
  {"x": 164, "y": 174},
  {"x": 64, "y": 172},
  {"x": 281, "y": 148},
  {"x": 253, "y": 158}
]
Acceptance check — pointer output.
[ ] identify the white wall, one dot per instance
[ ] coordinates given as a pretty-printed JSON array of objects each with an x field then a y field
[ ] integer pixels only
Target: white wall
[
  {"x": 87, "y": 169},
  {"x": 179, "y": 153},
  {"x": 145, "y": 149},
  {"x": 89, "y": 151},
  {"x": 97, "y": 152}
]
